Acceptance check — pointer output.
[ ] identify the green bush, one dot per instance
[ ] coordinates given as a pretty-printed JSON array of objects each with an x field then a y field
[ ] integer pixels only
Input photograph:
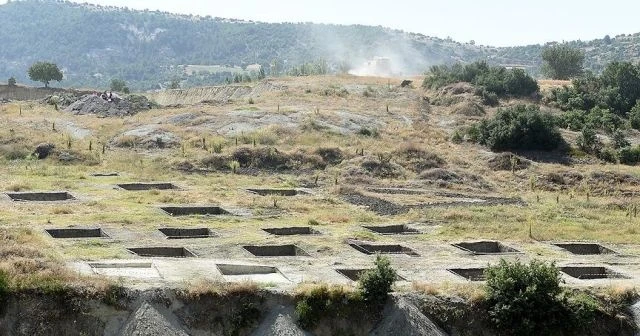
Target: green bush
[
  {"x": 634, "y": 116},
  {"x": 518, "y": 128},
  {"x": 490, "y": 80},
  {"x": 369, "y": 132},
  {"x": 619, "y": 139},
  {"x": 488, "y": 98},
  {"x": 573, "y": 120},
  {"x": 583, "y": 309},
  {"x": 629, "y": 155},
  {"x": 608, "y": 155},
  {"x": 588, "y": 141},
  {"x": 523, "y": 299},
  {"x": 375, "y": 284}
]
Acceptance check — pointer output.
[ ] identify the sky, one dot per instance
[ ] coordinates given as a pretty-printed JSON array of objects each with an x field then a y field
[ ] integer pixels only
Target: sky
[{"x": 487, "y": 22}]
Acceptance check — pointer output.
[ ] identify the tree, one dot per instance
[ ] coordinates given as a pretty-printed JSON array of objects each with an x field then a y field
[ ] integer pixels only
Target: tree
[
  {"x": 45, "y": 72},
  {"x": 118, "y": 85},
  {"x": 175, "y": 84},
  {"x": 562, "y": 62},
  {"x": 11, "y": 81}
]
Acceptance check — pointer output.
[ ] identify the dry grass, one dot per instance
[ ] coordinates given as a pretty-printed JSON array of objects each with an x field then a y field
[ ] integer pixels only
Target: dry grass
[
  {"x": 471, "y": 292},
  {"x": 201, "y": 287}
]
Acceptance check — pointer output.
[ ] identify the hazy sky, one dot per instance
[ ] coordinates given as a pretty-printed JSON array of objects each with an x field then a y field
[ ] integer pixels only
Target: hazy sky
[{"x": 493, "y": 22}]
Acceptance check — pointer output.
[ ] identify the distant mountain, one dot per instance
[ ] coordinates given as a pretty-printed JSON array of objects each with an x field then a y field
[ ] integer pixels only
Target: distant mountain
[{"x": 150, "y": 49}]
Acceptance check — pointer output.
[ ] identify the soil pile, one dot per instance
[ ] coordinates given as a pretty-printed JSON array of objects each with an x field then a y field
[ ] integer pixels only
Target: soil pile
[
  {"x": 280, "y": 322},
  {"x": 401, "y": 318},
  {"x": 114, "y": 107},
  {"x": 148, "y": 321}
]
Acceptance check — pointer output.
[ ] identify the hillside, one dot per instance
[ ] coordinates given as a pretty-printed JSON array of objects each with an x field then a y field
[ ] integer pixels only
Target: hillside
[{"x": 149, "y": 49}]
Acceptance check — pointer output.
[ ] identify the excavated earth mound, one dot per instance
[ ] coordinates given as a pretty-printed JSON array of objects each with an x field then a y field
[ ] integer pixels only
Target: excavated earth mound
[
  {"x": 148, "y": 321},
  {"x": 280, "y": 322},
  {"x": 117, "y": 107},
  {"x": 401, "y": 318}
]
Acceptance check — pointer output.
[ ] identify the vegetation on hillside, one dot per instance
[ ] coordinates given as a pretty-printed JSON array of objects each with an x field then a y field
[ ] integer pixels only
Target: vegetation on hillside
[
  {"x": 496, "y": 80},
  {"x": 149, "y": 49}
]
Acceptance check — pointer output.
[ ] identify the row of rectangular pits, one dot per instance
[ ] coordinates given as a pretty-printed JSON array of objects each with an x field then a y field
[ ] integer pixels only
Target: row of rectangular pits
[
  {"x": 478, "y": 247},
  {"x": 577, "y": 272},
  {"x": 271, "y": 274},
  {"x": 230, "y": 272},
  {"x": 172, "y": 233},
  {"x": 57, "y": 196}
]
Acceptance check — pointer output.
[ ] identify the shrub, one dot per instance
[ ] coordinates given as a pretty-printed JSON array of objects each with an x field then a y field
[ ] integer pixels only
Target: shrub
[
  {"x": 523, "y": 299},
  {"x": 518, "y": 83},
  {"x": 619, "y": 140},
  {"x": 490, "y": 80},
  {"x": 520, "y": 127},
  {"x": 573, "y": 120},
  {"x": 369, "y": 132},
  {"x": 588, "y": 141},
  {"x": 375, "y": 284},
  {"x": 11, "y": 82},
  {"x": 634, "y": 116},
  {"x": 629, "y": 155},
  {"x": 583, "y": 309},
  {"x": 488, "y": 98},
  {"x": 608, "y": 155}
]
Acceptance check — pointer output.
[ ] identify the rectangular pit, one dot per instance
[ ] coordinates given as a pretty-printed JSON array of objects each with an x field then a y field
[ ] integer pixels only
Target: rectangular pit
[
  {"x": 592, "y": 272},
  {"x": 276, "y": 192},
  {"x": 163, "y": 252},
  {"x": 392, "y": 229},
  {"x": 471, "y": 274},
  {"x": 54, "y": 196},
  {"x": 276, "y": 250},
  {"x": 147, "y": 186},
  {"x": 112, "y": 174},
  {"x": 355, "y": 274},
  {"x": 186, "y": 233},
  {"x": 252, "y": 272},
  {"x": 194, "y": 210},
  {"x": 486, "y": 247},
  {"x": 76, "y": 233},
  {"x": 585, "y": 248},
  {"x": 138, "y": 270},
  {"x": 290, "y": 231},
  {"x": 383, "y": 249}
]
